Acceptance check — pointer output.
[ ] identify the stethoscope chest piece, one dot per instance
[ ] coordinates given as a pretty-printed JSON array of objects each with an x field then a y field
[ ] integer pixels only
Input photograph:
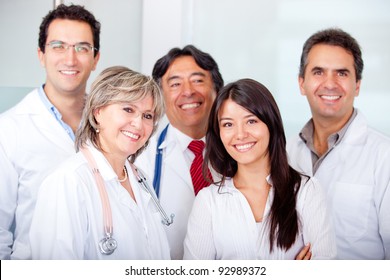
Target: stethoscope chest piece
[{"x": 107, "y": 245}]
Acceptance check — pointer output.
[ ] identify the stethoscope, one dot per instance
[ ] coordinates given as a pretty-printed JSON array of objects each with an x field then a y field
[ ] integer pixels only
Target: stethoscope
[
  {"x": 158, "y": 162},
  {"x": 108, "y": 244}
]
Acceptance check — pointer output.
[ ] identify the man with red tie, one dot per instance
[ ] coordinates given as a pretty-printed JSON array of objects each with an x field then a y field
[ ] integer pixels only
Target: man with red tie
[{"x": 190, "y": 80}]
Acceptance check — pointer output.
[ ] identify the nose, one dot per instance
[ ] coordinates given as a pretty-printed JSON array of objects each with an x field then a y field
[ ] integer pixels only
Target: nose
[
  {"x": 136, "y": 121},
  {"x": 187, "y": 88},
  {"x": 330, "y": 81},
  {"x": 241, "y": 132},
  {"x": 70, "y": 56}
]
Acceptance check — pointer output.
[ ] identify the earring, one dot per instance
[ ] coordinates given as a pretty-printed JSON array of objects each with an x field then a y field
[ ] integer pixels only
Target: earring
[{"x": 97, "y": 130}]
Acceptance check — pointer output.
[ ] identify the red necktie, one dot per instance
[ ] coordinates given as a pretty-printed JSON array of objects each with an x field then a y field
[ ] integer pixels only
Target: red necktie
[{"x": 199, "y": 182}]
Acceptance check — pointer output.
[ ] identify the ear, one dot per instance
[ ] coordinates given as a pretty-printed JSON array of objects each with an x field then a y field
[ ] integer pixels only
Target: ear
[
  {"x": 41, "y": 57},
  {"x": 96, "y": 60},
  {"x": 96, "y": 114},
  {"x": 357, "y": 90},
  {"x": 301, "y": 81}
]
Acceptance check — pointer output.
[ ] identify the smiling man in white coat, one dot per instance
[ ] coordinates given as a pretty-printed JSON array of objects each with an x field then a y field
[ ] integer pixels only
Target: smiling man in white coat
[
  {"x": 190, "y": 81},
  {"x": 350, "y": 159},
  {"x": 38, "y": 133}
]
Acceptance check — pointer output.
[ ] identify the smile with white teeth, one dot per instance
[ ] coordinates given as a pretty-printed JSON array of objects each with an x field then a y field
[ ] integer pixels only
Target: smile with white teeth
[
  {"x": 244, "y": 146},
  {"x": 330, "y": 97},
  {"x": 131, "y": 135},
  {"x": 69, "y": 72},
  {"x": 190, "y": 106}
]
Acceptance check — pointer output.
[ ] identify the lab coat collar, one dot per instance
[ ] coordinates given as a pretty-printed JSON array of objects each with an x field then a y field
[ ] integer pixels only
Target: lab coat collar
[
  {"x": 32, "y": 105},
  {"x": 102, "y": 163},
  {"x": 108, "y": 174},
  {"x": 357, "y": 131}
]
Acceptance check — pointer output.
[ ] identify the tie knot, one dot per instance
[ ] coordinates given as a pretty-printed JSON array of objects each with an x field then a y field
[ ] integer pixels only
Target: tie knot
[{"x": 196, "y": 146}]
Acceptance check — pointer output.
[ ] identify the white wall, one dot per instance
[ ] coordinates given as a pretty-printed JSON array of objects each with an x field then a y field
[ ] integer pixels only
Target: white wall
[{"x": 260, "y": 39}]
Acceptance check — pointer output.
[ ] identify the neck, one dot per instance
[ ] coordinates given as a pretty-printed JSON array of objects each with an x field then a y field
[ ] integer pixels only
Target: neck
[
  {"x": 194, "y": 132},
  {"x": 252, "y": 176},
  {"x": 69, "y": 105},
  {"x": 324, "y": 127},
  {"x": 117, "y": 163}
]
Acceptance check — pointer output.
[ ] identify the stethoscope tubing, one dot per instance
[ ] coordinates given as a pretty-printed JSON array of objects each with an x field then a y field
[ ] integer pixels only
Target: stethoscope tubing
[{"x": 108, "y": 244}]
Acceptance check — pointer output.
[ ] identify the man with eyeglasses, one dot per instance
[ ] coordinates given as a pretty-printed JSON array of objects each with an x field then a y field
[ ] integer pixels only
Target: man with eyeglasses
[{"x": 38, "y": 133}]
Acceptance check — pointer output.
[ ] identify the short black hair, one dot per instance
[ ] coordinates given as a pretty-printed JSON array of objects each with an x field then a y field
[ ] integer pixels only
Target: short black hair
[
  {"x": 204, "y": 60},
  {"x": 71, "y": 12}
]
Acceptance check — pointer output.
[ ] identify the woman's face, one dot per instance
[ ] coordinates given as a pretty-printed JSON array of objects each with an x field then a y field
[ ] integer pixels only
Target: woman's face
[
  {"x": 125, "y": 127},
  {"x": 244, "y": 135}
]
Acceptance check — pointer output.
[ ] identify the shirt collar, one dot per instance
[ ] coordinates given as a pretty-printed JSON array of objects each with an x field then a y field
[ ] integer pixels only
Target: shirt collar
[
  {"x": 54, "y": 112},
  {"x": 49, "y": 106},
  {"x": 183, "y": 139},
  {"x": 307, "y": 133}
]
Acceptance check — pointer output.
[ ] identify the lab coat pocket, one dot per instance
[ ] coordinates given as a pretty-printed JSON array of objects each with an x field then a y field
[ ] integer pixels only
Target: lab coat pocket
[{"x": 350, "y": 206}]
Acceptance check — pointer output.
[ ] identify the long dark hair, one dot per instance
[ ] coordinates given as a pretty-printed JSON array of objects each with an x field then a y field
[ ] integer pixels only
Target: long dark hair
[{"x": 257, "y": 99}]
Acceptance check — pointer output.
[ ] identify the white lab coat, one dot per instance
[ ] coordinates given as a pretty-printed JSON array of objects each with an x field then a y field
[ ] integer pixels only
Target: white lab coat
[
  {"x": 68, "y": 218},
  {"x": 176, "y": 189},
  {"x": 356, "y": 178},
  {"x": 32, "y": 143}
]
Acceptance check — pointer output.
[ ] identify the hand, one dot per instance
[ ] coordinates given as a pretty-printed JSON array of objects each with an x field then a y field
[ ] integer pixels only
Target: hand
[{"x": 305, "y": 253}]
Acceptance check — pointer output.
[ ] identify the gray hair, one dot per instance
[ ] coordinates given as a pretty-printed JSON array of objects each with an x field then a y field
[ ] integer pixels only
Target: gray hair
[{"x": 117, "y": 84}]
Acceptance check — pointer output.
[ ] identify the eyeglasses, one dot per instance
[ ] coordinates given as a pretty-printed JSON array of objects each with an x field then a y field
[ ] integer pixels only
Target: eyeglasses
[{"x": 62, "y": 47}]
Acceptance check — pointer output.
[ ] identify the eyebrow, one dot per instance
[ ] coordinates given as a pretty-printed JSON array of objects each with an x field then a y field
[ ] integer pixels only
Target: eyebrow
[
  {"x": 132, "y": 105},
  {"x": 192, "y": 75},
  {"x": 316, "y": 68},
  {"x": 245, "y": 117},
  {"x": 62, "y": 42}
]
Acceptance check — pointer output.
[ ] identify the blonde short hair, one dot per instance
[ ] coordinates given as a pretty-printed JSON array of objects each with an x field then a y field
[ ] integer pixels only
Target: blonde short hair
[{"x": 117, "y": 84}]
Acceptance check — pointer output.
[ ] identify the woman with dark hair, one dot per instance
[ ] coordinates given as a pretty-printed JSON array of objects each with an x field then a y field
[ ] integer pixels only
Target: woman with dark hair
[{"x": 261, "y": 208}]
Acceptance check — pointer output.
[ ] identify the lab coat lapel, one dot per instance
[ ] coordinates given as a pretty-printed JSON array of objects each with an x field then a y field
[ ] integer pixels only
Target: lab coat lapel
[
  {"x": 353, "y": 141},
  {"x": 44, "y": 121},
  {"x": 307, "y": 163},
  {"x": 174, "y": 160}
]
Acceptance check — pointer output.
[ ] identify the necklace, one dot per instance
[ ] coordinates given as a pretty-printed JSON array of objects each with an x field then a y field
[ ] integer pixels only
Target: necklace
[{"x": 124, "y": 179}]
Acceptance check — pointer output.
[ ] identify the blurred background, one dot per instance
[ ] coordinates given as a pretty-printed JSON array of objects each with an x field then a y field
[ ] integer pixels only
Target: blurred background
[{"x": 259, "y": 39}]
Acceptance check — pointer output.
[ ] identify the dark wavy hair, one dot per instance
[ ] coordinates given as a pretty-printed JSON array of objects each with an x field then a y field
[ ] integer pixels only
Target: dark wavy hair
[
  {"x": 257, "y": 99},
  {"x": 204, "y": 61},
  {"x": 333, "y": 37},
  {"x": 71, "y": 12}
]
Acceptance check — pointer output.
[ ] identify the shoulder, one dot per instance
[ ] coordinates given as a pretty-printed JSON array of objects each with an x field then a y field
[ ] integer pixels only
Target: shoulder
[
  {"x": 293, "y": 143},
  {"x": 381, "y": 140},
  {"x": 69, "y": 173},
  {"x": 13, "y": 116},
  {"x": 24, "y": 103},
  {"x": 371, "y": 140}
]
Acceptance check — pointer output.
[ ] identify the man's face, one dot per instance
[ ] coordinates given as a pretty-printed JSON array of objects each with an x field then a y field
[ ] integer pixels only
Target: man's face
[
  {"x": 189, "y": 94},
  {"x": 330, "y": 83},
  {"x": 67, "y": 73}
]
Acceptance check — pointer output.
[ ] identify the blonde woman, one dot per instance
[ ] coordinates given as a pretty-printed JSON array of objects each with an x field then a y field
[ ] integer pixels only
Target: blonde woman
[{"x": 93, "y": 206}]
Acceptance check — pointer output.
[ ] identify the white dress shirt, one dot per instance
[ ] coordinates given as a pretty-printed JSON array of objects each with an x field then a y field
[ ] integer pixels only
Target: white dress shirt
[
  {"x": 222, "y": 226},
  {"x": 68, "y": 219}
]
